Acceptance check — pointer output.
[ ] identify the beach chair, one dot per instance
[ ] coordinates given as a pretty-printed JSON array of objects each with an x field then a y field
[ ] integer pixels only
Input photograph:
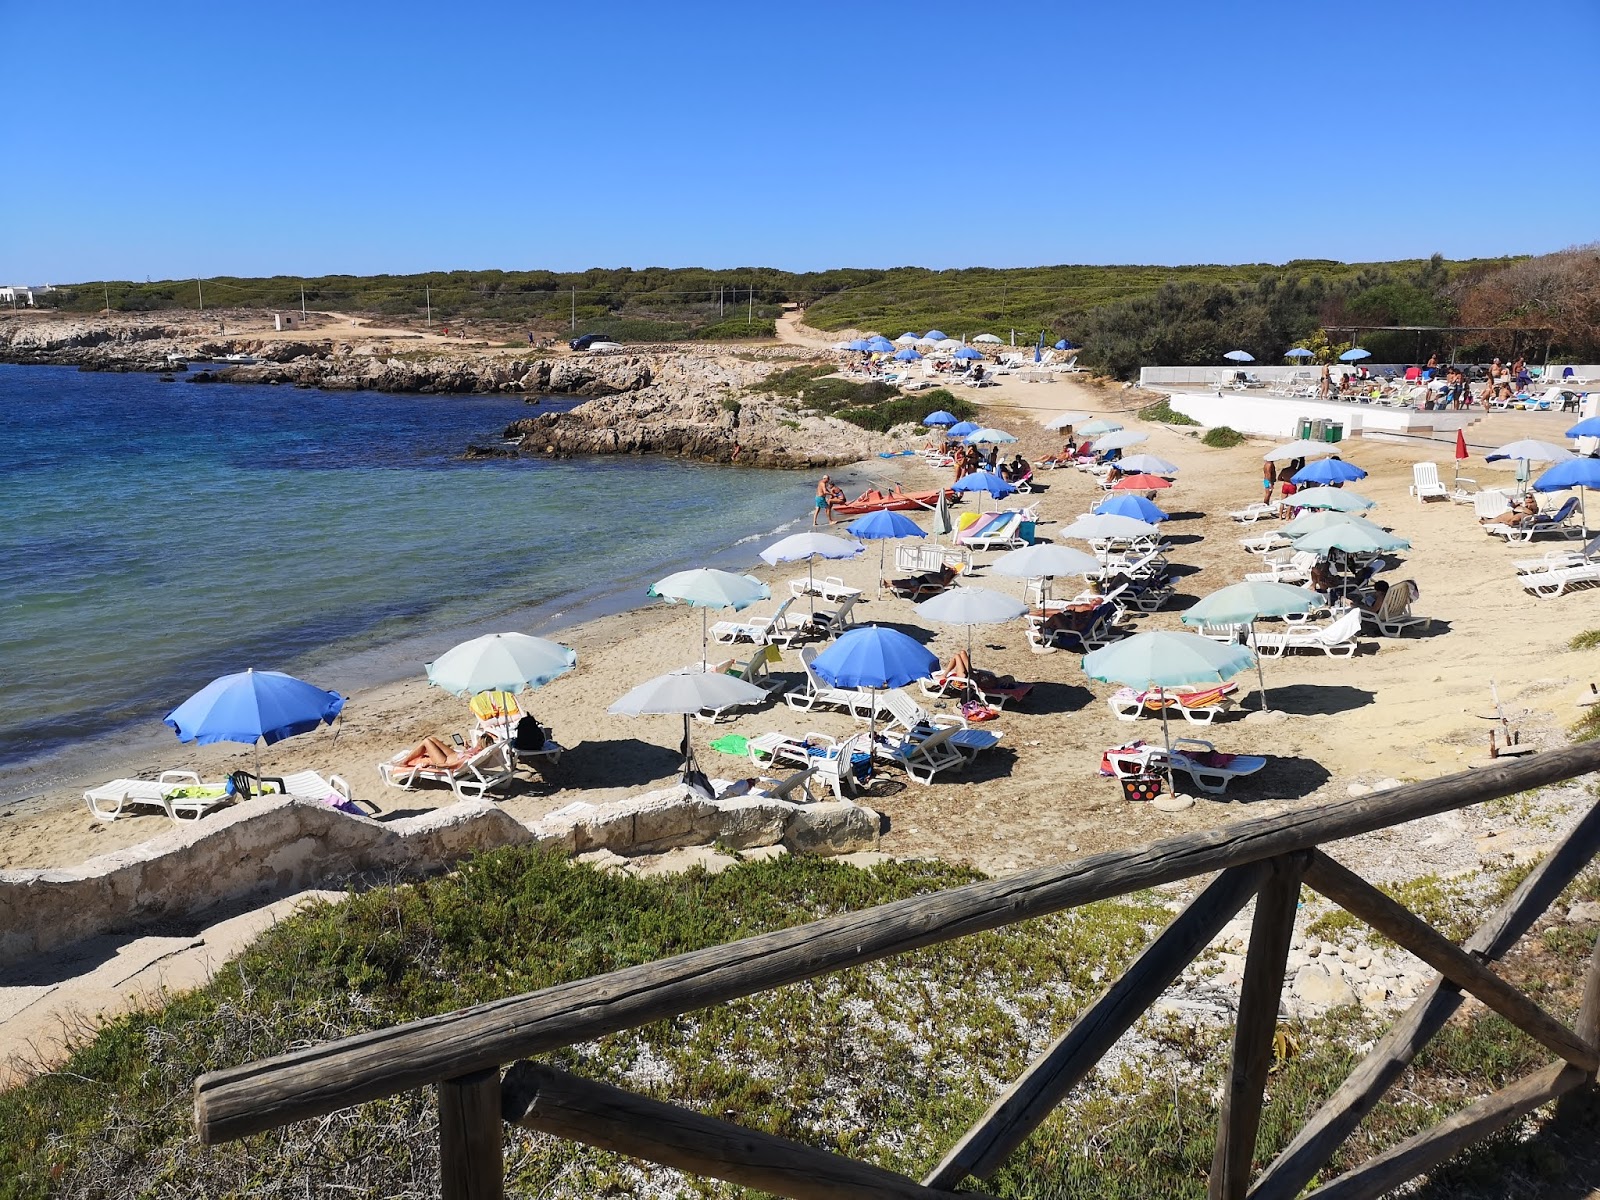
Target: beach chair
[
  {"x": 334, "y": 791},
  {"x": 1077, "y": 629},
  {"x": 1557, "y": 523},
  {"x": 179, "y": 794},
  {"x": 1425, "y": 482},
  {"x": 1337, "y": 639},
  {"x": 921, "y": 587},
  {"x": 471, "y": 774},
  {"x": 497, "y": 714},
  {"x": 756, "y": 669},
  {"x": 921, "y": 752},
  {"x": 905, "y": 713},
  {"x": 861, "y": 705},
  {"x": 1555, "y": 559},
  {"x": 831, "y": 761},
  {"x": 832, "y": 589},
  {"x": 774, "y": 627},
  {"x": 1251, "y": 513},
  {"x": 1554, "y": 581},
  {"x": 1490, "y": 504},
  {"x": 1210, "y": 770},
  {"x": 1197, "y": 707},
  {"x": 1284, "y": 566},
  {"x": 959, "y": 679},
  {"x": 1005, "y": 531},
  {"x": 832, "y": 624},
  {"x": 1393, "y": 616},
  {"x": 1262, "y": 543}
]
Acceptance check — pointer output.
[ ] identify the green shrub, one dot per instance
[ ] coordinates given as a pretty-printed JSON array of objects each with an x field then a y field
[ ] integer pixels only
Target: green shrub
[
  {"x": 880, "y": 418},
  {"x": 1163, "y": 411},
  {"x": 1222, "y": 437}
]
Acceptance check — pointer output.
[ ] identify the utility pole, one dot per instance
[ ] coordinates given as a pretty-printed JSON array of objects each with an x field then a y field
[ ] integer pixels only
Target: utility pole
[
  {"x": 302, "y": 303},
  {"x": 427, "y": 303},
  {"x": 719, "y": 302},
  {"x": 202, "y": 292},
  {"x": 108, "y": 297},
  {"x": 750, "y": 315},
  {"x": 574, "y": 308}
]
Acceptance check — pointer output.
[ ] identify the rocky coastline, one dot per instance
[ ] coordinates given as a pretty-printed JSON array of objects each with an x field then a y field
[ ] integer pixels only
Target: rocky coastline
[{"x": 703, "y": 405}]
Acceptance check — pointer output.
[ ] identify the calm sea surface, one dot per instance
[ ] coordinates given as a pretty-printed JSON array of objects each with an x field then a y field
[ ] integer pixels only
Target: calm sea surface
[{"x": 156, "y": 535}]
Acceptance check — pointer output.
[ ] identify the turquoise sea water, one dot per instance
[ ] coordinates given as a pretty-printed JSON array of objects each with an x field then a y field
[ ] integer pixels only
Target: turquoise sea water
[{"x": 156, "y": 535}]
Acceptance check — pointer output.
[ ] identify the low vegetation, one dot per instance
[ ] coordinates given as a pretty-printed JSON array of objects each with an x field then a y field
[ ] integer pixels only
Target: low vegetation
[
  {"x": 1222, "y": 437},
  {"x": 1163, "y": 411},
  {"x": 888, "y": 1062},
  {"x": 870, "y": 405}
]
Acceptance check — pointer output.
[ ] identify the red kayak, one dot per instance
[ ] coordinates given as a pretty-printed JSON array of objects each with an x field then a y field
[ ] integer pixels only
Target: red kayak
[{"x": 876, "y": 501}]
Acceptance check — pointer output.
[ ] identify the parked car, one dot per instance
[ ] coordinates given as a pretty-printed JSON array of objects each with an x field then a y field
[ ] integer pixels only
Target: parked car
[{"x": 589, "y": 339}]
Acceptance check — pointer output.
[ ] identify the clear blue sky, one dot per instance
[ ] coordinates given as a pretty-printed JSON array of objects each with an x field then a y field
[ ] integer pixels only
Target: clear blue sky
[{"x": 176, "y": 139}]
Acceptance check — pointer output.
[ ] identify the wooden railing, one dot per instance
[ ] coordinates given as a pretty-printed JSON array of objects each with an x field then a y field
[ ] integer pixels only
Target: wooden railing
[{"x": 1268, "y": 858}]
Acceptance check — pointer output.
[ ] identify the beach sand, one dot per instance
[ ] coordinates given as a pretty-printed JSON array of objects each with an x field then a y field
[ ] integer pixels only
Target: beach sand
[{"x": 1407, "y": 708}]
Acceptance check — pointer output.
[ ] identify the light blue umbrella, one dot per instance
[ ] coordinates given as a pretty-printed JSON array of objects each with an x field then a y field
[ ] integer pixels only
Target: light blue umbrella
[
  {"x": 962, "y": 428},
  {"x": 939, "y": 418},
  {"x": 1162, "y": 660},
  {"x": 983, "y": 481},
  {"x": 1146, "y": 464},
  {"x": 1352, "y": 539},
  {"x": 1239, "y": 356},
  {"x": 500, "y": 662},
  {"x": 705, "y": 588},
  {"x": 1355, "y": 355},
  {"x": 971, "y": 606},
  {"x": 1310, "y": 521},
  {"x": 810, "y": 545},
  {"x": 1326, "y": 497},
  {"x": 1098, "y": 426},
  {"x": 935, "y": 335},
  {"x": 1129, "y": 505},
  {"x": 1299, "y": 352},
  {"x": 1245, "y": 604},
  {"x": 907, "y": 355},
  {"x": 1329, "y": 470},
  {"x": 995, "y": 437},
  {"x": 1588, "y": 427},
  {"x": 1118, "y": 439},
  {"x": 1580, "y": 473},
  {"x": 967, "y": 352}
]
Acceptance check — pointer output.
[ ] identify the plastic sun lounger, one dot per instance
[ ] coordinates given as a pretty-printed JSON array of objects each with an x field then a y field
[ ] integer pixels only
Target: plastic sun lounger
[
  {"x": 832, "y": 589},
  {"x": 472, "y": 777},
  {"x": 1211, "y": 771},
  {"x": 1196, "y": 707},
  {"x": 1337, "y": 639},
  {"x": 922, "y": 752},
  {"x": 334, "y": 791},
  {"x": 860, "y": 705},
  {"x": 107, "y": 801},
  {"x": 1554, "y": 581}
]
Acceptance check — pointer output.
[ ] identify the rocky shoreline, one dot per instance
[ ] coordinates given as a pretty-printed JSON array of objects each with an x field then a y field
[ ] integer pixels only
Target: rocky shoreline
[{"x": 703, "y": 405}]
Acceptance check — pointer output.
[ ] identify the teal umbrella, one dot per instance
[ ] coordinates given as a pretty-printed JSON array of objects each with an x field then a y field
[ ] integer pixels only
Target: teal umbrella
[
  {"x": 995, "y": 437},
  {"x": 1326, "y": 497},
  {"x": 1162, "y": 660},
  {"x": 1310, "y": 522},
  {"x": 1098, "y": 426},
  {"x": 706, "y": 587},
  {"x": 501, "y": 662},
  {"x": 1352, "y": 539},
  {"x": 1245, "y": 604}
]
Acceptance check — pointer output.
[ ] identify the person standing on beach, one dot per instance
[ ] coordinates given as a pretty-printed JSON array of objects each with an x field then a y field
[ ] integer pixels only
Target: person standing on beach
[
  {"x": 827, "y": 497},
  {"x": 1326, "y": 385}
]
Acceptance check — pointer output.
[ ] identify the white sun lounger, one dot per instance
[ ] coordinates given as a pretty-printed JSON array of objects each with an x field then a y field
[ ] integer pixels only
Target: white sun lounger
[
  {"x": 861, "y": 705},
  {"x": 479, "y": 773},
  {"x": 1212, "y": 777},
  {"x": 107, "y": 801},
  {"x": 1337, "y": 639}
]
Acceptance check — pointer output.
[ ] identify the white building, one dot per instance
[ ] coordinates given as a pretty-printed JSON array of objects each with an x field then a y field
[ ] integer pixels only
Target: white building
[{"x": 16, "y": 295}]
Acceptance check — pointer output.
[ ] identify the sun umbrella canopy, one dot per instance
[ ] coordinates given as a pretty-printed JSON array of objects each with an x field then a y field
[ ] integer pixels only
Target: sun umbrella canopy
[
  {"x": 907, "y": 339},
  {"x": 1309, "y": 521},
  {"x": 987, "y": 339},
  {"x": 1066, "y": 419},
  {"x": 994, "y": 437},
  {"x": 264, "y": 705},
  {"x": 501, "y": 662},
  {"x": 880, "y": 345},
  {"x": 1534, "y": 451},
  {"x": 1241, "y": 603},
  {"x": 907, "y": 355},
  {"x": 1044, "y": 560},
  {"x": 1136, "y": 507},
  {"x": 1588, "y": 427},
  {"x": 1575, "y": 472},
  {"x": 873, "y": 656},
  {"x": 806, "y": 545},
  {"x": 884, "y": 523},
  {"x": 1329, "y": 470},
  {"x": 935, "y": 335},
  {"x": 1301, "y": 449},
  {"x": 971, "y": 606},
  {"x": 939, "y": 418},
  {"x": 1326, "y": 497},
  {"x": 1148, "y": 463},
  {"x": 1352, "y": 539},
  {"x": 1098, "y": 426},
  {"x": 967, "y": 352},
  {"x": 861, "y": 344},
  {"x": 1119, "y": 439},
  {"x": 1299, "y": 352},
  {"x": 1109, "y": 525},
  {"x": 1140, "y": 483},
  {"x": 1239, "y": 356},
  {"x": 962, "y": 428},
  {"x": 688, "y": 692},
  {"x": 706, "y": 587},
  {"x": 1066, "y": 344},
  {"x": 1166, "y": 660},
  {"x": 983, "y": 481},
  {"x": 1355, "y": 355}
]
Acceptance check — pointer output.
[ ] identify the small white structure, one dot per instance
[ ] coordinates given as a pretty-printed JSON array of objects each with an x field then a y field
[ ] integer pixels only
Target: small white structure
[{"x": 17, "y": 295}]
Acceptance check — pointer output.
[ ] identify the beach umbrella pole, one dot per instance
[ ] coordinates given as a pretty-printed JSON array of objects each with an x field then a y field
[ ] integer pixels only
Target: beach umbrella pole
[
  {"x": 1166, "y": 734},
  {"x": 1260, "y": 676}
]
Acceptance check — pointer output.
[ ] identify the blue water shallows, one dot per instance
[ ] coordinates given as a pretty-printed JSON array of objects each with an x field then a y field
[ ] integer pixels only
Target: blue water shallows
[{"x": 156, "y": 535}]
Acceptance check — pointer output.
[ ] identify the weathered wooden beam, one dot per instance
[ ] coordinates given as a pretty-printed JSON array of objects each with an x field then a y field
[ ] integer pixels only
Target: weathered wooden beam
[
  {"x": 552, "y": 1101},
  {"x": 1253, "y": 1031},
  {"x": 471, "y": 1138},
  {"x": 1398, "y": 923},
  {"x": 1428, "y": 1149},
  {"x": 305, "y": 1083},
  {"x": 1588, "y": 1027},
  {"x": 1327, "y": 1128},
  {"x": 1020, "y": 1109}
]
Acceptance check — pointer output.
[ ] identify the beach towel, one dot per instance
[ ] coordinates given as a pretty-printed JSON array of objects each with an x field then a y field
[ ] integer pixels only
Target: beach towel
[{"x": 733, "y": 743}]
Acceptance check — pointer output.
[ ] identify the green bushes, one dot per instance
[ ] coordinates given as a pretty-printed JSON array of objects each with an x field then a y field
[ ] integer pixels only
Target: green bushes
[
  {"x": 1163, "y": 411},
  {"x": 1222, "y": 437}
]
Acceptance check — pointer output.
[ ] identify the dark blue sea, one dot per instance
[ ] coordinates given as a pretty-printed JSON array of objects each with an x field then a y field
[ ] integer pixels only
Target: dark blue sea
[{"x": 155, "y": 535}]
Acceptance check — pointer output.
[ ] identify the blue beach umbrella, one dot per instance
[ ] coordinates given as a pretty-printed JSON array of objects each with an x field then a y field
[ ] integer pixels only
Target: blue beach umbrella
[
  {"x": 1355, "y": 355},
  {"x": 1580, "y": 473},
  {"x": 1299, "y": 352},
  {"x": 1038, "y": 351},
  {"x": 962, "y": 428},
  {"x": 882, "y": 526},
  {"x": 1239, "y": 356},
  {"x": 939, "y": 418},
  {"x": 1588, "y": 427},
  {"x": 880, "y": 345},
  {"x": 1329, "y": 470},
  {"x": 983, "y": 481},
  {"x": 861, "y": 344},
  {"x": 1129, "y": 505},
  {"x": 967, "y": 352},
  {"x": 1066, "y": 344},
  {"x": 907, "y": 355},
  {"x": 935, "y": 335},
  {"x": 253, "y": 706},
  {"x": 876, "y": 657}
]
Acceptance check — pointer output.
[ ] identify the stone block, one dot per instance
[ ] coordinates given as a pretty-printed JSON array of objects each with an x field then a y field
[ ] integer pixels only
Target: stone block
[
  {"x": 833, "y": 828},
  {"x": 1314, "y": 985}
]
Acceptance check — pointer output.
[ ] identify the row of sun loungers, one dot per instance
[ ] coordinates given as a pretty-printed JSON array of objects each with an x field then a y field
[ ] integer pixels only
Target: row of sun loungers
[{"x": 184, "y": 797}]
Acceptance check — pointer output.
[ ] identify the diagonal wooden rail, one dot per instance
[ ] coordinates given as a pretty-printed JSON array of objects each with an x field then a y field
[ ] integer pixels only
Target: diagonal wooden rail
[{"x": 462, "y": 1052}]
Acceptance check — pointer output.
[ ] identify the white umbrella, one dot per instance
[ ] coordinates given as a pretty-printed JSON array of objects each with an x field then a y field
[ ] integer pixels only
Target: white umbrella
[
  {"x": 686, "y": 693},
  {"x": 1300, "y": 449},
  {"x": 986, "y": 339},
  {"x": 810, "y": 545},
  {"x": 907, "y": 339},
  {"x": 1147, "y": 464},
  {"x": 971, "y": 606},
  {"x": 1066, "y": 419},
  {"x": 707, "y": 587},
  {"x": 1109, "y": 525},
  {"x": 1044, "y": 560},
  {"x": 1534, "y": 451},
  {"x": 1119, "y": 439}
]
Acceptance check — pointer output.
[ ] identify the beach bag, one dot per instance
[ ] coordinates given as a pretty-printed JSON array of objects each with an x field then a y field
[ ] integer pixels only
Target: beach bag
[
  {"x": 1141, "y": 787},
  {"x": 530, "y": 736}
]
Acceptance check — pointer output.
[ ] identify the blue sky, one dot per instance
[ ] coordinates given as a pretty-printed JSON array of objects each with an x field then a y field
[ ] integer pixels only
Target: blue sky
[{"x": 172, "y": 139}]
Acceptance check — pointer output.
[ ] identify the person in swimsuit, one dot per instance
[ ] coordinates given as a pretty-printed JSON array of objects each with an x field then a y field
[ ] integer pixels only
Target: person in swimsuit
[{"x": 824, "y": 500}]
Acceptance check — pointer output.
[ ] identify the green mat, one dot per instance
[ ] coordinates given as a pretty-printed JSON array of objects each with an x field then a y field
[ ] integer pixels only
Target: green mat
[{"x": 733, "y": 743}]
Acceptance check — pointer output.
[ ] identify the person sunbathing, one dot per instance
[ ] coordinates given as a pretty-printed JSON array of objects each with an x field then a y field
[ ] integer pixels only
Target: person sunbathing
[
  {"x": 1528, "y": 508},
  {"x": 929, "y": 583},
  {"x": 431, "y": 752}
]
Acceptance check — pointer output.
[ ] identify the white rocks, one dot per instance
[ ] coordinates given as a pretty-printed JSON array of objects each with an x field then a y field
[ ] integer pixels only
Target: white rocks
[
  {"x": 1358, "y": 789},
  {"x": 1315, "y": 986},
  {"x": 1584, "y": 911},
  {"x": 1386, "y": 785}
]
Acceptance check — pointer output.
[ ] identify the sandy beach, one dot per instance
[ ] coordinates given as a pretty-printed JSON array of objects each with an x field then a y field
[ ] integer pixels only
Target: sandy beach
[{"x": 1405, "y": 708}]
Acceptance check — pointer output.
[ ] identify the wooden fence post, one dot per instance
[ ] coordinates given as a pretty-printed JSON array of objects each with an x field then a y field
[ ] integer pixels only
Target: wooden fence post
[
  {"x": 471, "y": 1138},
  {"x": 1257, "y": 1023}
]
